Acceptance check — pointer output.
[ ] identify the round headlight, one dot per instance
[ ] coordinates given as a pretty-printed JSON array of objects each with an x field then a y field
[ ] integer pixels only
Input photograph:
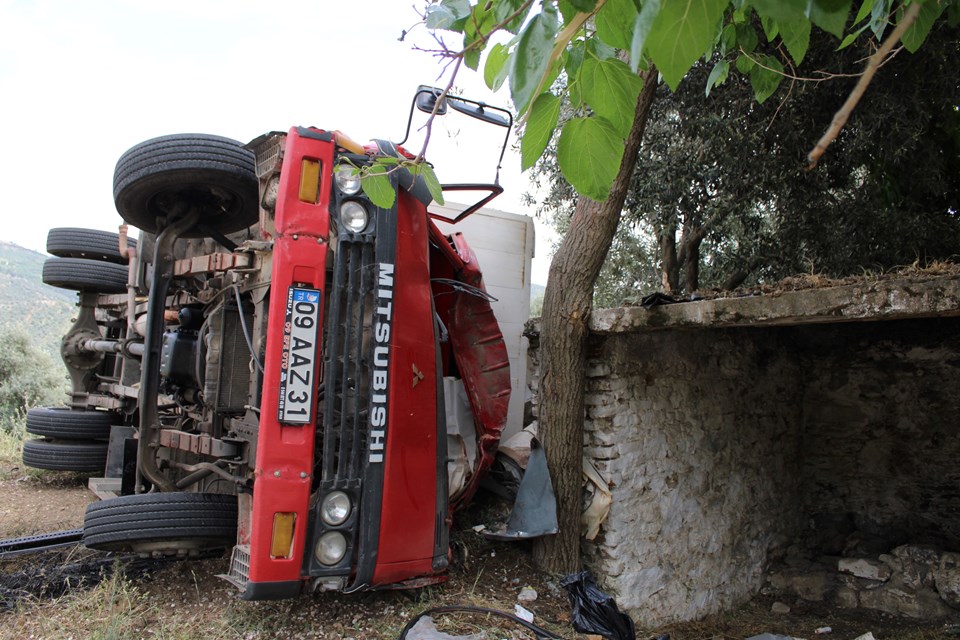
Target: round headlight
[
  {"x": 353, "y": 216},
  {"x": 331, "y": 547},
  {"x": 335, "y": 508},
  {"x": 348, "y": 179}
]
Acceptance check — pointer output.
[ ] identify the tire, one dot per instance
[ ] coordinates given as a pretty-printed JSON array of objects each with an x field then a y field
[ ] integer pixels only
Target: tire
[
  {"x": 216, "y": 174},
  {"x": 86, "y": 457},
  {"x": 165, "y": 523},
  {"x": 80, "y": 274},
  {"x": 67, "y": 424},
  {"x": 71, "y": 242}
]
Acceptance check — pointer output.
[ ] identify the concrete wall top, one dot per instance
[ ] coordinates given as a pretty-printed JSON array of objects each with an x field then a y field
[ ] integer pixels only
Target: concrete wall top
[{"x": 887, "y": 299}]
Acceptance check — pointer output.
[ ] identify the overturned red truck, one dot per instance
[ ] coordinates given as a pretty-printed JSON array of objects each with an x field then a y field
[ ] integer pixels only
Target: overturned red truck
[{"x": 271, "y": 367}]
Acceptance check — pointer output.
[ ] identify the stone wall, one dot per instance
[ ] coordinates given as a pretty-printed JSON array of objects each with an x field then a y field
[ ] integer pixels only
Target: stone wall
[
  {"x": 880, "y": 415},
  {"x": 698, "y": 432},
  {"x": 724, "y": 447}
]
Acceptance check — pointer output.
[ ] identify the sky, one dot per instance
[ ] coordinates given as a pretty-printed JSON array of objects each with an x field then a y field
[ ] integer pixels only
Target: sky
[{"x": 82, "y": 82}]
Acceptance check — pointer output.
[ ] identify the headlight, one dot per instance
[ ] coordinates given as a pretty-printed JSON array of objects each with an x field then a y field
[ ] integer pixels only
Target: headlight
[
  {"x": 348, "y": 179},
  {"x": 331, "y": 547},
  {"x": 353, "y": 216},
  {"x": 335, "y": 508}
]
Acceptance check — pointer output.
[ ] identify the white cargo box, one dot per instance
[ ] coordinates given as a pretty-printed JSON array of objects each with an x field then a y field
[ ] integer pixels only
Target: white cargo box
[{"x": 504, "y": 244}]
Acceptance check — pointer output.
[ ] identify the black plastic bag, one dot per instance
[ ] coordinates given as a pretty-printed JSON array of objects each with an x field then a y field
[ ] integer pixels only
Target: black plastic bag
[{"x": 594, "y": 611}]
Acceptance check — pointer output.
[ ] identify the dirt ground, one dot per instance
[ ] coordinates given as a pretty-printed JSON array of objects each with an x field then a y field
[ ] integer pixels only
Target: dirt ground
[{"x": 77, "y": 594}]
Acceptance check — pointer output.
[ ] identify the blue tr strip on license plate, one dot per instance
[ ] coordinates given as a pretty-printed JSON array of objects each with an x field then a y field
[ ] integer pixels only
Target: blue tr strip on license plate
[{"x": 298, "y": 363}]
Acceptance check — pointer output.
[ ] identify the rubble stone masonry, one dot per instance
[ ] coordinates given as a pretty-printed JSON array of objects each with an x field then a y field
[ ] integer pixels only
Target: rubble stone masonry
[{"x": 724, "y": 446}]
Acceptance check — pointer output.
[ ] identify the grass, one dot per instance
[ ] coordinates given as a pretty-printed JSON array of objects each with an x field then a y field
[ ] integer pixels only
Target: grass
[
  {"x": 12, "y": 433},
  {"x": 113, "y": 610}
]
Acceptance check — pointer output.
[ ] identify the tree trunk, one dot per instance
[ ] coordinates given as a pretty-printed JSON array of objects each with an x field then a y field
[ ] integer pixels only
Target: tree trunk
[
  {"x": 689, "y": 255},
  {"x": 737, "y": 277},
  {"x": 669, "y": 262},
  {"x": 564, "y": 331}
]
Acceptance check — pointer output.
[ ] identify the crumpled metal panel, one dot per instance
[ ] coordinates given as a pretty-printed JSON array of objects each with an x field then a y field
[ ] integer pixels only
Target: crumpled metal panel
[{"x": 481, "y": 356}]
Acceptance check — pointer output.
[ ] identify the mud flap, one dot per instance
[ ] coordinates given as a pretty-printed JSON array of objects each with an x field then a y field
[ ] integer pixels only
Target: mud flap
[{"x": 534, "y": 512}]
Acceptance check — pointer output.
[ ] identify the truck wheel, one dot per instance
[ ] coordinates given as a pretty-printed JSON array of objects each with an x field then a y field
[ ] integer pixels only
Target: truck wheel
[
  {"x": 68, "y": 424},
  {"x": 86, "y": 457},
  {"x": 164, "y": 523},
  {"x": 70, "y": 242},
  {"x": 80, "y": 274},
  {"x": 216, "y": 174}
]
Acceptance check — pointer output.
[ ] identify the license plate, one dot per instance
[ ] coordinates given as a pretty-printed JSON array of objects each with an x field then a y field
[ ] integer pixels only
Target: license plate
[{"x": 298, "y": 363}]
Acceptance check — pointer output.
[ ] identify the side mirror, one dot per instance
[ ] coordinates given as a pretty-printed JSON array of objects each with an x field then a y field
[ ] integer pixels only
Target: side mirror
[
  {"x": 478, "y": 111},
  {"x": 426, "y": 100}
]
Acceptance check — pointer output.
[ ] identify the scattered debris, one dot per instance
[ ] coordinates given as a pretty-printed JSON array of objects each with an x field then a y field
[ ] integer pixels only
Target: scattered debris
[
  {"x": 527, "y": 594},
  {"x": 522, "y": 613},
  {"x": 526, "y": 621},
  {"x": 599, "y": 500},
  {"x": 425, "y": 629},
  {"x": 820, "y": 631},
  {"x": 780, "y": 608},
  {"x": 534, "y": 512},
  {"x": 594, "y": 611},
  {"x": 772, "y": 636}
]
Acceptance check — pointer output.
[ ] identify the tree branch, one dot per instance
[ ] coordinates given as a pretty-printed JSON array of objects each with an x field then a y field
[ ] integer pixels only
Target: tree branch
[{"x": 841, "y": 117}]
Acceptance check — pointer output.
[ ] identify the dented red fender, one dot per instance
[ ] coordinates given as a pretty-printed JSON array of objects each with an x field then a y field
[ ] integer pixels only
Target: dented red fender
[{"x": 481, "y": 356}]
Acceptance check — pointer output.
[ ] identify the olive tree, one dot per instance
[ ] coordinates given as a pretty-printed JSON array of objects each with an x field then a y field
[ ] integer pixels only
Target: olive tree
[{"x": 602, "y": 60}]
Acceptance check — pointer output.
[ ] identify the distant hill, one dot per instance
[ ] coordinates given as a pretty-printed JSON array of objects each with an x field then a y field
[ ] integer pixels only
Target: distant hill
[{"x": 42, "y": 311}]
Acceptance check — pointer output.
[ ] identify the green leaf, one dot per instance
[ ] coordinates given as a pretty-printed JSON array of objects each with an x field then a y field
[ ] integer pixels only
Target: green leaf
[
  {"x": 472, "y": 58},
  {"x": 682, "y": 31},
  {"x": 496, "y": 68},
  {"x": 747, "y": 37},
  {"x": 796, "y": 38},
  {"x": 728, "y": 39},
  {"x": 540, "y": 125},
  {"x": 865, "y": 10},
  {"x": 615, "y": 23},
  {"x": 583, "y": 6},
  {"x": 439, "y": 17},
  {"x": 589, "y": 152},
  {"x": 459, "y": 8},
  {"x": 829, "y": 15},
  {"x": 446, "y": 13},
  {"x": 600, "y": 49},
  {"x": 376, "y": 184},
  {"x": 641, "y": 29},
  {"x": 611, "y": 90},
  {"x": 765, "y": 77},
  {"x": 718, "y": 75},
  {"x": 745, "y": 64},
  {"x": 851, "y": 38},
  {"x": 572, "y": 61},
  {"x": 429, "y": 176},
  {"x": 781, "y": 10},
  {"x": 532, "y": 58},
  {"x": 914, "y": 36},
  {"x": 503, "y": 9},
  {"x": 878, "y": 18},
  {"x": 953, "y": 14},
  {"x": 567, "y": 11},
  {"x": 770, "y": 28},
  {"x": 480, "y": 24}
]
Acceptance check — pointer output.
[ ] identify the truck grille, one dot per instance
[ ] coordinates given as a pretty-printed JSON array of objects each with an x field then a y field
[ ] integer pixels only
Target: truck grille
[{"x": 346, "y": 377}]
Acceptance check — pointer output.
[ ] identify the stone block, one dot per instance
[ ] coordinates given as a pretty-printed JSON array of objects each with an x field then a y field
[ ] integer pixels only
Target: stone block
[
  {"x": 812, "y": 586},
  {"x": 865, "y": 568},
  {"x": 597, "y": 369},
  {"x": 898, "y": 599},
  {"x": 946, "y": 581},
  {"x": 847, "y": 598},
  {"x": 604, "y": 410}
]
